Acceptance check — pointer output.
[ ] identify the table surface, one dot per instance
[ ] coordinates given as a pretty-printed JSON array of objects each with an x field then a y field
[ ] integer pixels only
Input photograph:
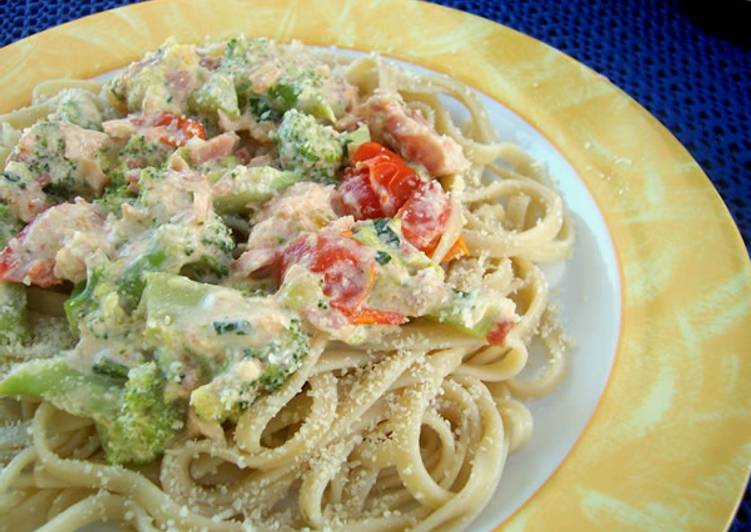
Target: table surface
[{"x": 693, "y": 76}]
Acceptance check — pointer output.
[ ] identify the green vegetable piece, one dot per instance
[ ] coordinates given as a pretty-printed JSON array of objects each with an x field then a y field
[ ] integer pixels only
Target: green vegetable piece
[
  {"x": 309, "y": 148},
  {"x": 238, "y": 327},
  {"x": 217, "y": 94},
  {"x": 14, "y": 329},
  {"x": 283, "y": 96},
  {"x": 9, "y": 225},
  {"x": 255, "y": 372},
  {"x": 130, "y": 286},
  {"x": 82, "y": 301},
  {"x": 113, "y": 198},
  {"x": 246, "y": 185},
  {"x": 355, "y": 139},
  {"x": 134, "y": 422},
  {"x": 473, "y": 313},
  {"x": 216, "y": 329},
  {"x": 110, "y": 368},
  {"x": 385, "y": 232},
  {"x": 55, "y": 381},
  {"x": 146, "y": 421},
  {"x": 140, "y": 153},
  {"x": 382, "y": 257},
  {"x": 78, "y": 106}
]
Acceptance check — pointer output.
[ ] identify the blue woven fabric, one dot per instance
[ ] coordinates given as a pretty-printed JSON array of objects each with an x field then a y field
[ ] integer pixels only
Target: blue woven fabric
[{"x": 694, "y": 78}]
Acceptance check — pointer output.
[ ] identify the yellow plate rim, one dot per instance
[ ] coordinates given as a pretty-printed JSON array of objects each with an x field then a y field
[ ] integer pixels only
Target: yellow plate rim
[{"x": 675, "y": 399}]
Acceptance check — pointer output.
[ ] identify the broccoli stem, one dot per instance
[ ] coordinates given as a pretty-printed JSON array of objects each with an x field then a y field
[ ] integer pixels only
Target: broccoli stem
[
  {"x": 130, "y": 285},
  {"x": 243, "y": 186},
  {"x": 55, "y": 381},
  {"x": 134, "y": 421}
]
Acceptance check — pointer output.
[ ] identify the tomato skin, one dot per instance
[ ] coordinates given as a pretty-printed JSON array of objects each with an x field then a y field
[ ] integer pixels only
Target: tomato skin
[
  {"x": 357, "y": 197},
  {"x": 180, "y": 129},
  {"x": 497, "y": 335},
  {"x": 368, "y": 150},
  {"x": 378, "y": 185},
  {"x": 348, "y": 275},
  {"x": 425, "y": 215}
]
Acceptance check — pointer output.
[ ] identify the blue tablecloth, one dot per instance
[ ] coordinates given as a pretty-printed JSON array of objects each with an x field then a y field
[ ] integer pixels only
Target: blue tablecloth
[{"x": 694, "y": 77}]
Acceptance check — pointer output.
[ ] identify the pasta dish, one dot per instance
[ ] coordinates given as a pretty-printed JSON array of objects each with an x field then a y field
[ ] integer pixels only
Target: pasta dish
[{"x": 253, "y": 285}]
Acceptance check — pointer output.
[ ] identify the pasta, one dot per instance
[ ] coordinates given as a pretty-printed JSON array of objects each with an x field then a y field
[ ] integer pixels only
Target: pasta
[{"x": 406, "y": 428}]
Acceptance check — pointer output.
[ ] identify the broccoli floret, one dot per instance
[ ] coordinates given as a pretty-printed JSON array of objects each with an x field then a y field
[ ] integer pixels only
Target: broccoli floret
[
  {"x": 217, "y": 94},
  {"x": 145, "y": 421},
  {"x": 78, "y": 106},
  {"x": 113, "y": 198},
  {"x": 55, "y": 381},
  {"x": 97, "y": 308},
  {"x": 240, "y": 56},
  {"x": 213, "y": 330},
  {"x": 134, "y": 421},
  {"x": 140, "y": 153},
  {"x": 14, "y": 329},
  {"x": 309, "y": 148},
  {"x": 9, "y": 225},
  {"x": 258, "y": 370}
]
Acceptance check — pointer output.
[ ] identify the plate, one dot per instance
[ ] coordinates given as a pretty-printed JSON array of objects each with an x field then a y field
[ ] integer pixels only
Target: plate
[{"x": 651, "y": 428}]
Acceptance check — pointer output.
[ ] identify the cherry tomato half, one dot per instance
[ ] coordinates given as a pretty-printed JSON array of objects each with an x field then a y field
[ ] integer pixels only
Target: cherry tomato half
[
  {"x": 378, "y": 184},
  {"x": 424, "y": 216}
]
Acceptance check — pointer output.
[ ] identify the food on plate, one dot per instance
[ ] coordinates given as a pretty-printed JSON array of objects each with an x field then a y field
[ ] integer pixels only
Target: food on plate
[{"x": 253, "y": 284}]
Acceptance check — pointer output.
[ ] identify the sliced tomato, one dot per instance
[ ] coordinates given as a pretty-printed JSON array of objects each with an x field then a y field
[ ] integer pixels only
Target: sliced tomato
[
  {"x": 348, "y": 274},
  {"x": 425, "y": 215},
  {"x": 368, "y": 150},
  {"x": 497, "y": 335},
  {"x": 295, "y": 252},
  {"x": 357, "y": 197},
  {"x": 179, "y": 129},
  {"x": 378, "y": 184}
]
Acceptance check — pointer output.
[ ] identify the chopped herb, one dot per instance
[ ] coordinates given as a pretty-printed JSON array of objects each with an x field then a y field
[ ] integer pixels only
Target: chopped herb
[
  {"x": 238, "y": 327},
  {"x": 385, "y": 233},
  {"x": 382, "y": 258},
  {"x": 110, "y": 368}
]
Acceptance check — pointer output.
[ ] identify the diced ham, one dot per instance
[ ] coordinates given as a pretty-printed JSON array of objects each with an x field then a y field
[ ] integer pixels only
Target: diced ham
[
  {"x": 303, "y": 207},
  {"x": 259, "y": 131},
  {"x": 263, "y": 77},
  {"x": 120, "y": 128},
  {"x": 82, "y": 146},
  {"x": 82, "y": 143},
  {"x": 412, "y": 136},
  {"x": 182, "y": 80},
  {"x": 55, "y": 245},
  {"x": 202, "y": 151}
]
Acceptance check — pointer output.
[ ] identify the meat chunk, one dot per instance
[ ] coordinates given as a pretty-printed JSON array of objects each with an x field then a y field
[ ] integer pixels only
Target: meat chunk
[
  {"x": 82, "y": 146},
  {"x": 202, "y": 151},
  {"x": 303, "y": 207},
  {"x": 411, "y": 135},
  {"x": 55, "y": 245},
  {"x": 119, "y": 128}
]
